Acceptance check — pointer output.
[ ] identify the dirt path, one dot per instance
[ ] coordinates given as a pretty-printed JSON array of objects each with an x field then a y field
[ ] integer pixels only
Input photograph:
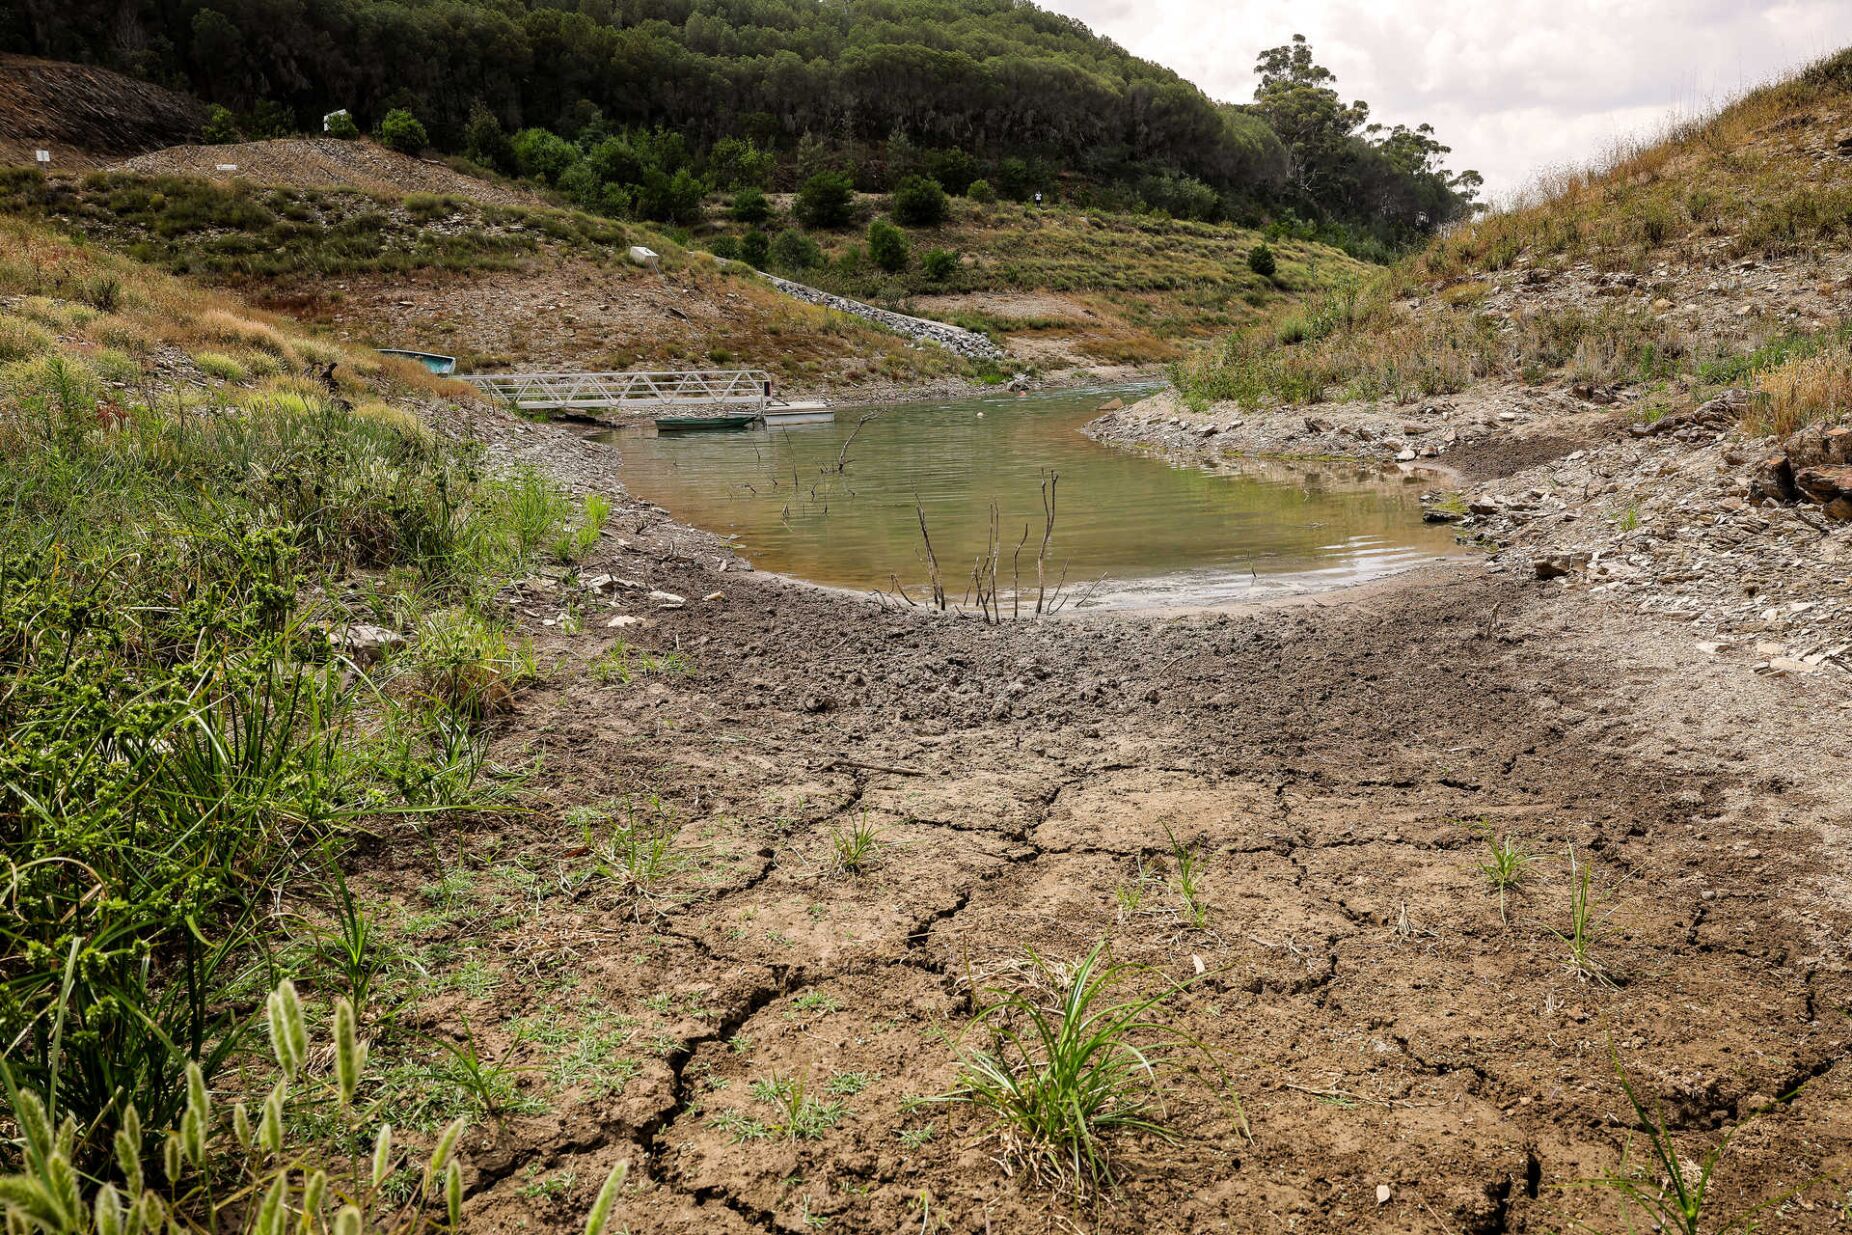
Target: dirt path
[{"x": 1327, "y": 763}]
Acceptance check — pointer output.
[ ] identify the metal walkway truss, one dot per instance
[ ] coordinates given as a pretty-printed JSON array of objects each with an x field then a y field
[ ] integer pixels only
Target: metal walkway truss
[{"x": 744, "y": 388}]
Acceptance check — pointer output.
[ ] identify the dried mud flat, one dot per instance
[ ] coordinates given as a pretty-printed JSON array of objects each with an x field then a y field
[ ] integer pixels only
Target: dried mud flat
[{"x": 1379, "y": 1024}]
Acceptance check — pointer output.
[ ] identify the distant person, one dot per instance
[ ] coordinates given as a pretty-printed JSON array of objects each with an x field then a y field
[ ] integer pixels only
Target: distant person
[{"x": 1038, "y": 197}]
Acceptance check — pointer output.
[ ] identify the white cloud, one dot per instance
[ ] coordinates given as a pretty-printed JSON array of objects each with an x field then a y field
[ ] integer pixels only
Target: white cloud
[{"x": 1514, "y": 86}]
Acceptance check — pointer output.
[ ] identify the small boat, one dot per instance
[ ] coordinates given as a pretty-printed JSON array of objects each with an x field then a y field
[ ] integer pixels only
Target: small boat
[
  {"x": 685, "y": 424},
  {"x": 780, "y": 414},
  {"x": 437, "y": 364}
]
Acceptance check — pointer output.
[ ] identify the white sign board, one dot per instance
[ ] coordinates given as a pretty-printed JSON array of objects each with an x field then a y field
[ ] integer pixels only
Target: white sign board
[{"x": 44, "y": 156}]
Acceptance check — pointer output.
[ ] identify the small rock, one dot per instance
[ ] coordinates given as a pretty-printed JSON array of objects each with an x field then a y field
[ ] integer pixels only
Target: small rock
[
  {"x": 668, "y": 600},
  {"x": 363, "y": 644},
  {"x": 1112, "y": 405},
  {"x": 713, "y": 596},
  {"x": 1556, "y": 565},
  {"x": 622, "y": 620},
  {"x": 1382, "y": 1194}
]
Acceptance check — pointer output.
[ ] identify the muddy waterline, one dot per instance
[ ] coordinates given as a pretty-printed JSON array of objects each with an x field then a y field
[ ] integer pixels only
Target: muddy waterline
[{"x": 1130, "y": 529}]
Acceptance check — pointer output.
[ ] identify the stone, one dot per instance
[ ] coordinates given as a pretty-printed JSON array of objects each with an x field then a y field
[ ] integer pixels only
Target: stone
[
  {"x": 363, "y": 644},
  {"x": 1772, "y": 480},
  {"x": 1557, "y": 565},
  {"x": 1824, "y": 484},
  {"x": 622, "y": 620},
  {"x": 1111, "y": 405},
  {"x": 668, "y": 600},
  {"x": 611, "y": 583}
]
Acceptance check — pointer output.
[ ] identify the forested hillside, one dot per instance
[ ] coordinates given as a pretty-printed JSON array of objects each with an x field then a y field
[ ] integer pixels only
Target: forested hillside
[{"x": 769, "y": 92}]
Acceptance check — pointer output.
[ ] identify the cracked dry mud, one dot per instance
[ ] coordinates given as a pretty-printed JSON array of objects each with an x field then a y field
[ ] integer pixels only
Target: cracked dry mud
[{"x": 1377, "y": 1021}]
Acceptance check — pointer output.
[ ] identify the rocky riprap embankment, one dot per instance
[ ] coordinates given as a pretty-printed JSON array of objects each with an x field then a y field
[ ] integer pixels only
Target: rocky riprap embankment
[
  {"x": 966, "y": 343},
  {"x": 1507, "y": 417},
  {"x": 1678, "y": 519}
]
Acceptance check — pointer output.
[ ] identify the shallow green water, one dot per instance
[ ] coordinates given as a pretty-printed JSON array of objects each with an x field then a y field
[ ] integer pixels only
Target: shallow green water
[{"x": 1158, "y": 533}]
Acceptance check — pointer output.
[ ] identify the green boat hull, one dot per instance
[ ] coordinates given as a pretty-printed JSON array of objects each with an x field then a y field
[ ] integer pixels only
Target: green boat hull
[{"x": 681, "y": 424}]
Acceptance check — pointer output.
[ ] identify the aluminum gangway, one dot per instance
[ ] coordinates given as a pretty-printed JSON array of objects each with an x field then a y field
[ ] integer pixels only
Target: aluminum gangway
[{"x": 745, "y": 388}]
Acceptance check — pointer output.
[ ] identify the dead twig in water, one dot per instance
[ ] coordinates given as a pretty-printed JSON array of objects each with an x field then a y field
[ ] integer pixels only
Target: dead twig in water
[
  {"x": 932, "y": 560},
  {"x": 1049, "y": 480},
  {"x": 842, "y": 456}
]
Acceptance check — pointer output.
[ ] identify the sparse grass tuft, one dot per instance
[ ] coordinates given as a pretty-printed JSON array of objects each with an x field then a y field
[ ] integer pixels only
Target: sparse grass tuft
[
  {"x": 854, "y": 846},
  {"x": 1061, "y": 1079},
  {"x": 1585, "y": 929},
  {"x": 1503, "y": 866},
  {"x": 1672, "y": 1193}
]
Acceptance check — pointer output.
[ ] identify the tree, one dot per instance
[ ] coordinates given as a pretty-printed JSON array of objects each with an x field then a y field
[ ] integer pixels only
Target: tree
[
  {"x": 486, "y": 142},
  {"x": 341, "y": 125},
  {"x": 887, "y": 246},
  {"x": 543, "y": 155},
  {"x": 750, "y": 206},
  {"x": 400, "y": 130},
  {"x": 755, "y": 249},
  {"x": 671, "y": 199},
  {"x": 918, "y": 202},
  {"x": 1261, "y": 260},
  {"x": 981, "y": 192},
  {"x": 738, "y": 162},
  {"x": 796, "y": 252},
  {"x": 221, "y": 126},
  {"x": 939, "y": 265},
  {"x": 827, "y": 200}
]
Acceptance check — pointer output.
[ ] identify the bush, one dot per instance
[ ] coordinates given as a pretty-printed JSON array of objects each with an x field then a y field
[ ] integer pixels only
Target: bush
[
  {"x": 981, "y": 193},
  {"x": 919, "y": 202},
  {"x": 400, "y": 130},
  {"x": 671, "y": 199},
  {"x": 827, "y": 200},
  {"x": 543, "y": 155},
  {"x": 939, "y": 265},
  {"x": 341, "y": 124},
  {"x": 952, "y": 168},
  {"x": 725, "y": 247},
  {"x": 887, "y": 246},
  {"x": 486, "y": 142},
  {"x": 1261, "y": 260},
  {"x": 755, "y": 249},
  {"x": 796, "y": 252},
  {"x": 221, "y": 127},
  {"x": 750, "y": 206}
]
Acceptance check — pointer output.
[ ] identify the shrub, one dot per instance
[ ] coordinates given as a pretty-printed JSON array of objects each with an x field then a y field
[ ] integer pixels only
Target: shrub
[
  {"x": 671, "y": 199},
  {"x": 221, "y": 126},
  {"x": 750, "y": 206},
  {"x": 341, "y": 124},
  {"x": 1261, "y": 260},
  {"x": 756, "y": 249},
  {"x": 400, "y": 130},
  {"x": 919, "y": 202},
  {"x": 725, "y": 247},
  {"x": 952, "y": 168},
  {"x": 981, "y": 193},
  {"x": 887, "y": 246},
  {"x": 827, "y": 200},
  {"x": 795, "y": 251},
  {"x": 939, "y": 265},
  {"x": 486, "y": 142},
  {"x": 542, "y": 154}
]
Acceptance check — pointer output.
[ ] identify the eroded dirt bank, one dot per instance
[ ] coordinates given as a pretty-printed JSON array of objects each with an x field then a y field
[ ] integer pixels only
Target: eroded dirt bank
[{"x": 1329, "y": 762}]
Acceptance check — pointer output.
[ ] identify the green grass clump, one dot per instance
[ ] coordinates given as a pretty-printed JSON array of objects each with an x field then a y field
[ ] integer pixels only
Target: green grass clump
[
  {"x": 178, "y": 722},
  {"x": 219, "y": 365},
  {"x": 1062, "y": 1077}
]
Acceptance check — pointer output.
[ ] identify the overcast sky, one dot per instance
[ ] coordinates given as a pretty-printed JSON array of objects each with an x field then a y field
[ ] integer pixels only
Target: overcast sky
[{"x": 1514, "y": 86}]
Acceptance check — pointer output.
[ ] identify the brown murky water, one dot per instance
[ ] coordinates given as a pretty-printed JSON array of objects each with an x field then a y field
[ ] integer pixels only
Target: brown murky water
[{"x": 1149, "y": 532}]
